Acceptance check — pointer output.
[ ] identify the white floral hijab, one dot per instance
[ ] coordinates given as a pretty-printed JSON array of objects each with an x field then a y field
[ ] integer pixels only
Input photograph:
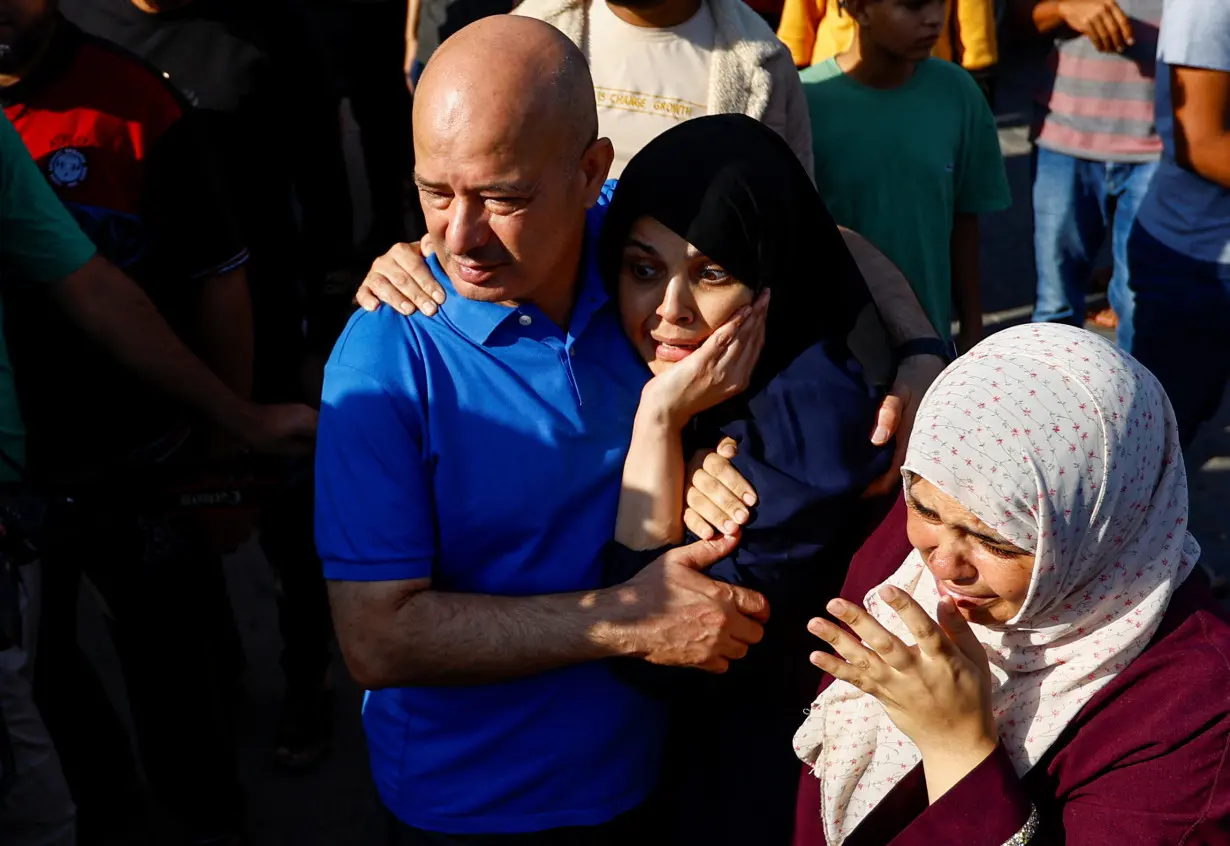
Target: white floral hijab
[{"x": 1067, "y": 448}]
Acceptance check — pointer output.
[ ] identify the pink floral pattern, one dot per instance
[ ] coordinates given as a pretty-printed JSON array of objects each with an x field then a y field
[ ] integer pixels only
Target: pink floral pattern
[{"x": 1068, "y": 448}]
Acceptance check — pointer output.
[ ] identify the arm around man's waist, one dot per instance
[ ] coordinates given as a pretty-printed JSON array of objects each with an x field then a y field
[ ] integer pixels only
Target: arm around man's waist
[{"x": 403, "y": 633}]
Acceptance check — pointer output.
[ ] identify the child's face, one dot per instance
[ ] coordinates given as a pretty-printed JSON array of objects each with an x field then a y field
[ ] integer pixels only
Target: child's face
[{"x": 904, "y": 28}]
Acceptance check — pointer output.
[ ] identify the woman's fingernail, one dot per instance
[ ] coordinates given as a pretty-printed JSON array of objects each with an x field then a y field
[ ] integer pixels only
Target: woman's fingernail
[
  {"x": 750, "y": 499},
  {"x": 838, "y": 606},
  {"x": 740, "y": 516},
  {"x": 880, "y": 436},
  {"x": 729, "y": 527},
  {"x": 438, "y": 296},
  {"x": 405, "y": 309}
]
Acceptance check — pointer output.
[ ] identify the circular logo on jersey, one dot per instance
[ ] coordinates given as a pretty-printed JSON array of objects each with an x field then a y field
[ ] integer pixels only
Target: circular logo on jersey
[{"x": 67, "y": 167}]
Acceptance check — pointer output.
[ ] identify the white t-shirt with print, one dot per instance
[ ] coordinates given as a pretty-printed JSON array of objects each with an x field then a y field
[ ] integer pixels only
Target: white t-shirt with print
[{"x": 647, "y": 80}]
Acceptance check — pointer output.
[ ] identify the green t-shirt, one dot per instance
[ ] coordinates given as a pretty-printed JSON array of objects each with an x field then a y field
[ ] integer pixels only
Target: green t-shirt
[
  {"x": 897, "y": 165},
  {"x": 39, "y": 243}
]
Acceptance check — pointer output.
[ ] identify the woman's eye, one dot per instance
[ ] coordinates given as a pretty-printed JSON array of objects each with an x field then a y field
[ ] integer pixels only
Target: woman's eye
[
  {"x": 714, "y": 274},
  {"x": 923, "y": 514},
  {"x": 1000, "y": 551},
  {"x": 642, "y": 271}
]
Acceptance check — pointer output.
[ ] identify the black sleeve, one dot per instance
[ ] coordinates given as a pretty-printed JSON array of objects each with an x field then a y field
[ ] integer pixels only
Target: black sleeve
[
  {"x": 805, "y": 449},
  {"x": 192, "y": 228}
]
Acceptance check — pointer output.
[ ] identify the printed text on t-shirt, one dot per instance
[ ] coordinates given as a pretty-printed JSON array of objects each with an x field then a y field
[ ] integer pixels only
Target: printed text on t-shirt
[{"x": 649, "y": 104}]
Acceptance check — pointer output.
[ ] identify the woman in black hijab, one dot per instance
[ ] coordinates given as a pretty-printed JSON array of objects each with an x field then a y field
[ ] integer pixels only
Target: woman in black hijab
[{"x": 705, "y": 220}]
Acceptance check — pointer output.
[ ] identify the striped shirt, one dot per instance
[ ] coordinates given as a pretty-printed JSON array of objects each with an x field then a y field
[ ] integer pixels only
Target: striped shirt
[{"x": 1100, "y": 105}]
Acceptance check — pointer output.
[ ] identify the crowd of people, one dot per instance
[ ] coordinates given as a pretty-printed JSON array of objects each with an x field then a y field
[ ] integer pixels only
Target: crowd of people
[{"x": 664, "y": 488}]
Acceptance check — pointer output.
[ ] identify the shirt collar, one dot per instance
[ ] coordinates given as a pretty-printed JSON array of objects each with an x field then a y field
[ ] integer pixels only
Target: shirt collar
[
  {"x": 591, "y": 292},
  {"x": 476, "y": 319},
  {"x": 479, "y": 320}
]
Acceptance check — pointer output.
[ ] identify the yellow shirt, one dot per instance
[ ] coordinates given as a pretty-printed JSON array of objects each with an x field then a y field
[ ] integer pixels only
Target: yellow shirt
[{"x": 816, "y": 30}]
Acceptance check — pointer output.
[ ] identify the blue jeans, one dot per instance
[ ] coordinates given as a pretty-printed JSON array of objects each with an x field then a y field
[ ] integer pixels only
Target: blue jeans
[
  {"x": 1182, "y": 326},
  {"x": 1075, "y": 202}
]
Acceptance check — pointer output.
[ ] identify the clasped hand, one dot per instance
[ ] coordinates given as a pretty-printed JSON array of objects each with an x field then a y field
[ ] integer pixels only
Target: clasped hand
[{"x": 687, "y": 619}]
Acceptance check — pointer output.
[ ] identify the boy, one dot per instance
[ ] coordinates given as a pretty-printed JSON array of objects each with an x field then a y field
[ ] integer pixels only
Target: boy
[
  {"x": 816, "y": 30},
  {"x": 906, "y": 153}
]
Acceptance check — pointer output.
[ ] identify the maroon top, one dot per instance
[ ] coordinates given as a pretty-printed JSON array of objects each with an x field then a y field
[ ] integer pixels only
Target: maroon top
[{"x": 1146, "y": 762}]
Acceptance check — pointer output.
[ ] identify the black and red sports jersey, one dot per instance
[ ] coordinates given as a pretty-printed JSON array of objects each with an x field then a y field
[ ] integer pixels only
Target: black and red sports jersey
[{"x": 119, "y": 146}]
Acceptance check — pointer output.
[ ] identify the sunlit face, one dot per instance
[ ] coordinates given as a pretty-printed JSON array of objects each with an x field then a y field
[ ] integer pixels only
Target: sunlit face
[
  {"x": 908, "y": 29},
  {"x": 504, "y": 203},
  {"x": 986, "y": 575},
  {"x": 672, "y": 296}
]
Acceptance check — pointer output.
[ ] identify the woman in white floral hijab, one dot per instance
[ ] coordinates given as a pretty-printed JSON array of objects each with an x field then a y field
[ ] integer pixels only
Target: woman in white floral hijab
[{"x": 1048, "y": 507}]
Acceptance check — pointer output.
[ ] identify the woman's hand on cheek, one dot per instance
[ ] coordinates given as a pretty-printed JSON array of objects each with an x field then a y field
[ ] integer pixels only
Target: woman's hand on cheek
[
  {"x": 720, "y": 369},
  {"x": 938, "y": 693}
]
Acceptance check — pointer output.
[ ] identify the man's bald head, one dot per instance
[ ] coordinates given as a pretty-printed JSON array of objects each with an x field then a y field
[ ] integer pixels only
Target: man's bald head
[
  {"x": 508, "y": 159},
  {"x": 510, "y": 75}
]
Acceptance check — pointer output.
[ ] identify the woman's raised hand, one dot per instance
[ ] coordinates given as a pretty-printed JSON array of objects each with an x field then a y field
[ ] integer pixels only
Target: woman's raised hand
[
  {"x": 717, "y": 496},
  {"x": 938, "y": 693},
  {"x": 720, "y": 369}
]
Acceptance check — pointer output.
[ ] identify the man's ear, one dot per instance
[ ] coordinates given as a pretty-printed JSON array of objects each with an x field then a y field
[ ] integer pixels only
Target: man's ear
[{"x": 595, "y": 166}]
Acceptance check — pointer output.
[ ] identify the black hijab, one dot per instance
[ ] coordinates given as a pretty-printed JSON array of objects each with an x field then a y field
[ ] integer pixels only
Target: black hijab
[{"x": 734, "y": 189}]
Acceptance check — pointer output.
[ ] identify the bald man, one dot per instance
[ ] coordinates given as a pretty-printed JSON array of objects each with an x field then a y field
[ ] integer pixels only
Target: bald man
[{"x": 468, "y": 474}]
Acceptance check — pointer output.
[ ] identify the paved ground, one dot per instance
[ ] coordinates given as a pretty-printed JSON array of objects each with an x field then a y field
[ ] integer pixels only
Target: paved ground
[{"x": 335, "y": 805}]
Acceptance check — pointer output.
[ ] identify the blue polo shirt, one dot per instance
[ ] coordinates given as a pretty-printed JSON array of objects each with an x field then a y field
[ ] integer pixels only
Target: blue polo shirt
[{"x": 483, "y": 448}]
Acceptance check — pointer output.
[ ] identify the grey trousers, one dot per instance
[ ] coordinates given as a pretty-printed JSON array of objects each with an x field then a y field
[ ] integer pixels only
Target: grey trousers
[{"x": 38, "y": 810}]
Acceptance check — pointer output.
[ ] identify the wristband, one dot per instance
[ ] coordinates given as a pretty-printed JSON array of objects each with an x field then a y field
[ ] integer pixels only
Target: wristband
[{"x": 924, "y": 346}]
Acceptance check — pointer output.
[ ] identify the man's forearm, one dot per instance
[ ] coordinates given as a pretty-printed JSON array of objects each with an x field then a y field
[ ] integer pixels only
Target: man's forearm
[
  {"x": 903, "y": 316},
  {"x": 117, "y": 314},
  {"x": 1202, "y": 121},
  {"x": 440, "y": 638},
  {"x": 1212, "y": 161},
  {"x": 224, "y": 320},
  {"x": 1041, "y": 16},
  {"x": 413, "y": 9}
]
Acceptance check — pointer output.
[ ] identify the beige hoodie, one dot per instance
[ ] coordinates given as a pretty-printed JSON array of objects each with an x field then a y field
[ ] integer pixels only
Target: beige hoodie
[{"x": 752, "y": 72}]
